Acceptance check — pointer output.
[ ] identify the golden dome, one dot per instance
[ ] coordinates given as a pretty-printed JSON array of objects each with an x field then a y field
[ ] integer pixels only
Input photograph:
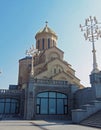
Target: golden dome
[{"x": 45, "y": 30}]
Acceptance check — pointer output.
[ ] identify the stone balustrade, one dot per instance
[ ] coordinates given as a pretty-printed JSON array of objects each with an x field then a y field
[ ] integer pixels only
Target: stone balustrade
[
  {"x": 49, "y": 81},
  {"x": 7, "y": 91}
]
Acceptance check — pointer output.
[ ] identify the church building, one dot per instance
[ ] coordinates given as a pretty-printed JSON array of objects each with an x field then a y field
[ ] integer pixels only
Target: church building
[
  {"x": 49, "y": 63},
  {"x": 50, "y": 86},
  {"x": 47, "y": 85}
]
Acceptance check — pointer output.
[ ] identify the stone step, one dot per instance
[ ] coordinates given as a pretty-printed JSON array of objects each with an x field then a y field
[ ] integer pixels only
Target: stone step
[{"x": 94, "y": 120}]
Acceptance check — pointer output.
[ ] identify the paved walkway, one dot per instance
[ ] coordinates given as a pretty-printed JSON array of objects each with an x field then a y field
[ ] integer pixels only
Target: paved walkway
[{"x": 41, "y": 125}]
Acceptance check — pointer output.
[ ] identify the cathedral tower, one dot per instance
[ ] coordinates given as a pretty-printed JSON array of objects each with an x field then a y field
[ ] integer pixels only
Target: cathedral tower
[{"x": 45, "y": 38}]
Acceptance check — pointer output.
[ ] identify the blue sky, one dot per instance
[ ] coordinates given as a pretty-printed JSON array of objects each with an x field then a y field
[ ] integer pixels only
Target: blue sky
[{"x": 21, "y": 19}]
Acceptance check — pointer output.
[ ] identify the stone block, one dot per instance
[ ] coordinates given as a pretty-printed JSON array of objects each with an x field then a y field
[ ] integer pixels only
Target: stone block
[{"x": 78, "y": 115}]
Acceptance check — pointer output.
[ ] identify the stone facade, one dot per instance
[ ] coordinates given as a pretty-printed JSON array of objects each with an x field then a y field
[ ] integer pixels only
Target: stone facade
[{"x": 38, "y": 86}]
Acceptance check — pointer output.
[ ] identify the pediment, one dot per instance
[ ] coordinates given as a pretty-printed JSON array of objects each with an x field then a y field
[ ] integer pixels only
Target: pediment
[
  {"x": 62, "y": 76},
  {"x": 66, "y": 76}
]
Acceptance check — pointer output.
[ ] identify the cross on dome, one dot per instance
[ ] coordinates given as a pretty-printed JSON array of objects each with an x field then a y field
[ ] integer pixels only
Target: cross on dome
[{"x": 46, "y": 23}]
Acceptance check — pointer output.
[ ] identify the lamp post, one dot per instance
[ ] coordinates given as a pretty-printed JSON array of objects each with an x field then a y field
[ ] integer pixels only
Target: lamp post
[
  {"x": 92, "y": 33},
  {"x": 32, "y": 52}
]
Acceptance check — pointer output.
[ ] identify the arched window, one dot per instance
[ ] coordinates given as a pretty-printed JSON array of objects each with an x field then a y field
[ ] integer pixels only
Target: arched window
[
  {"x": 48, "y": 42},
  {"x": 54, "y": 70},
  {"x": 43, "y": 42},
  {"x": 59, "y": 70},
  {"x": 9, "y": 106},
  {"x": 38, "y": 45},
  {"x": 53, "y": 43},
  {"x": 52, "y": 103}
]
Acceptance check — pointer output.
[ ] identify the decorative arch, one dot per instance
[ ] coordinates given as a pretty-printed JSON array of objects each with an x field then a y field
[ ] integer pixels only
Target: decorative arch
[
  {"x": 53, "y": 55},
  {"x": 56, "y": 69}
]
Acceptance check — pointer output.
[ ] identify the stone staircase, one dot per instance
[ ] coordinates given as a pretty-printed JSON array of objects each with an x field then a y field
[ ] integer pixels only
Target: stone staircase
[
  {"x": 86, "y": 111},
  {"x": 93, "y": 121}
]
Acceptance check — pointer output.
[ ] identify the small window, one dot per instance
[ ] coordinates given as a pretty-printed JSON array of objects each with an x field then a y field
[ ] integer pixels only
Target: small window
[
  {"x": 59, "y": 70},
  {"x": 48, "y": 43},
  {"x": 38, "y": 45},
  {"x": 53, "y": 43},
  {"x": 43, "y": 42},
  {"x": 54, "y": 70}
]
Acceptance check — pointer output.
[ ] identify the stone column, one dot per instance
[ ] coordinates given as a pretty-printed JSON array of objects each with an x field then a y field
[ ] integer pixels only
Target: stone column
[
  {"x": 30, "y": 100},
  {"x": 95, "y": 80}
]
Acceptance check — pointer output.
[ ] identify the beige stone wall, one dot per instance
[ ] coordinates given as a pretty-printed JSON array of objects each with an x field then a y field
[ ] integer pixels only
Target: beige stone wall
[
  {"x": 46, "y": 36},
  {"x": 53, "y": 53},
  {"x": 24, "y": 70}
]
